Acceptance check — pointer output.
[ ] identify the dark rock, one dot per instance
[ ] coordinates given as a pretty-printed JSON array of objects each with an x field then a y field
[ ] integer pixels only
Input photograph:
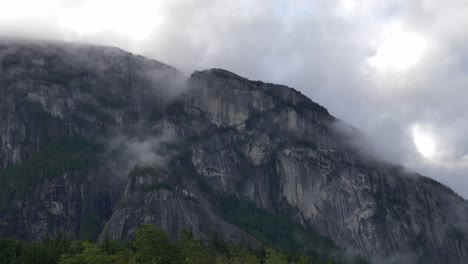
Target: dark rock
[{"x": 224, "y": 134}]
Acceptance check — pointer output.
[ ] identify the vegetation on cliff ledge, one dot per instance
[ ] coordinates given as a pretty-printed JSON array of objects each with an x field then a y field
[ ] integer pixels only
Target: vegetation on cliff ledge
[
  {"x": 54, "y": 158},
  {"x": 281, "y": 233}
]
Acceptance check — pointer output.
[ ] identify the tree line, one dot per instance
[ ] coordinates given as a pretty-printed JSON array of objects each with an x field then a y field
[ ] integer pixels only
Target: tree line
[{"x": 149, "y": 245}]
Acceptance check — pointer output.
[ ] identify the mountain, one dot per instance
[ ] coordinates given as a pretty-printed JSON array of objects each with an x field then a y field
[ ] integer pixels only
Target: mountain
[{"x": 96, "y": 141}]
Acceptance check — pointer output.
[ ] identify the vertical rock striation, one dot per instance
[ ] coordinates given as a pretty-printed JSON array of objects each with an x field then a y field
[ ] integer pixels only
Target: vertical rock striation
[{"x": 229, "y": 135}]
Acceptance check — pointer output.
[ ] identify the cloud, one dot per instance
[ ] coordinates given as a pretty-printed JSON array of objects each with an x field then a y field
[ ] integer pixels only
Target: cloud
[
  {"x": 320, "y": 47},
  {"x": 136, "y": 148}
]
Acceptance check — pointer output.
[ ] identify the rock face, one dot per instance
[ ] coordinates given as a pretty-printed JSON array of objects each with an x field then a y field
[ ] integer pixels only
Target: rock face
[{"x": 169, "y": 144}]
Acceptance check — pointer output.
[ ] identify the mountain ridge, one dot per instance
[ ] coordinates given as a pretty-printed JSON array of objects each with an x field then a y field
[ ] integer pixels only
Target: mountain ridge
[{"x": 263, "y": 142}]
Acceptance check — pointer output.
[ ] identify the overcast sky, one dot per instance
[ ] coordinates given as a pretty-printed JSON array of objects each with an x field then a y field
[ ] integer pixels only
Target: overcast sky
[{"x": 397, "y": 70}]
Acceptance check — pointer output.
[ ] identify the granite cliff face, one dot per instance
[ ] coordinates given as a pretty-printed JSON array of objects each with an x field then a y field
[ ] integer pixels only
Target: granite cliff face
[{"x": 97, "y": 135}]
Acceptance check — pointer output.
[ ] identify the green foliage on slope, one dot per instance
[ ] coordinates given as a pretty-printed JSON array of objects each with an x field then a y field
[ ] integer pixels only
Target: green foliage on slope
[
  {"x": 146, "y": 171},
  {"x": 149, "y": 245},
  {"x": 90, "y": 228},
  {"x": 280, "y": 232},
  {"x": 54, "y": 158},
  {"x": 14, "y": 251},
  {"x": 154, "y": 173}
]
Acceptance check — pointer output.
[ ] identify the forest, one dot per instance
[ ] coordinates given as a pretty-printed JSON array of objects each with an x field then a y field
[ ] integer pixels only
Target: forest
[{"x": 149, "y": 245}]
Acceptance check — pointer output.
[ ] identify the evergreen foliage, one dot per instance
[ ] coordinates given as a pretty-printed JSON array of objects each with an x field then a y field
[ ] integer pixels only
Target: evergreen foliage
[
  {"x": 149, "y": 245},
  {"x": 54, "y": 158},
  {"x": 90, "y": 227},
  {"x": 281, "y": 233}
]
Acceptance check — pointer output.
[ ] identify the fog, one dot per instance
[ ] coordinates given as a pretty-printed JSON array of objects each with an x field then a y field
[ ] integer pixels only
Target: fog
[{"x": 385, "y": 67}]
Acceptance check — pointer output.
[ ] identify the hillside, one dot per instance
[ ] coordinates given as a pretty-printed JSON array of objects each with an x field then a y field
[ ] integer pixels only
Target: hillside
[{"x": 96, "y": 141}]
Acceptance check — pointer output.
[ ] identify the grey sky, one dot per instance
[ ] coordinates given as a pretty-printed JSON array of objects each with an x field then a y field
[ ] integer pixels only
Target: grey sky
[{"x": 396, "y": 69}]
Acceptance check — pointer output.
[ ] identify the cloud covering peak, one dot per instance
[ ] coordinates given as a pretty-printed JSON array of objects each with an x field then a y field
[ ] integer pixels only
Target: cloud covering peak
[{"x": 397, "y": 70}]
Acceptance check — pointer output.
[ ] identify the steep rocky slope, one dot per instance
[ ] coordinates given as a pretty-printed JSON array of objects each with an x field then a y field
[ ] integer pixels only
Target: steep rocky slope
[{"x": 97, "y": 135}]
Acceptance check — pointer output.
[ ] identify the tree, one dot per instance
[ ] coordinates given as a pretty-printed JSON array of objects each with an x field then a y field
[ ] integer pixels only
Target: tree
[
  {"x": 91, "y": 254},
  {"x": 153, "y": 246},
  {"x": 241, "y": 255},
  {"x": 274, "y": 257},
  {"x": 193, "y": 251},
  {"x": 304, "y": 260},
  {"x": 218, "y": 245},
  {"x": 10, "y": 249},
  {"x": 90, "y": 227}
]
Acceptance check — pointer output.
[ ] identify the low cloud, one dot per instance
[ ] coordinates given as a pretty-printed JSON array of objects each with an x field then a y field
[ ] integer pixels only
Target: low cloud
[
  {"x": 127, "y": 150},
  {"x": 321, "y": 48}
]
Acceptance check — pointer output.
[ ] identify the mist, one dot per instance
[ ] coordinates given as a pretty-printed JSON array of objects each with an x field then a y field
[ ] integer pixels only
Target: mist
[
  {"x": 128, "y": 150},
  {"x": 382, "y": 66}
]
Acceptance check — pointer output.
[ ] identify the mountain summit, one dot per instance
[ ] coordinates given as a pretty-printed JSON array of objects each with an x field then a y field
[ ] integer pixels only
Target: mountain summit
[{"x": 96, "y": 141}]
